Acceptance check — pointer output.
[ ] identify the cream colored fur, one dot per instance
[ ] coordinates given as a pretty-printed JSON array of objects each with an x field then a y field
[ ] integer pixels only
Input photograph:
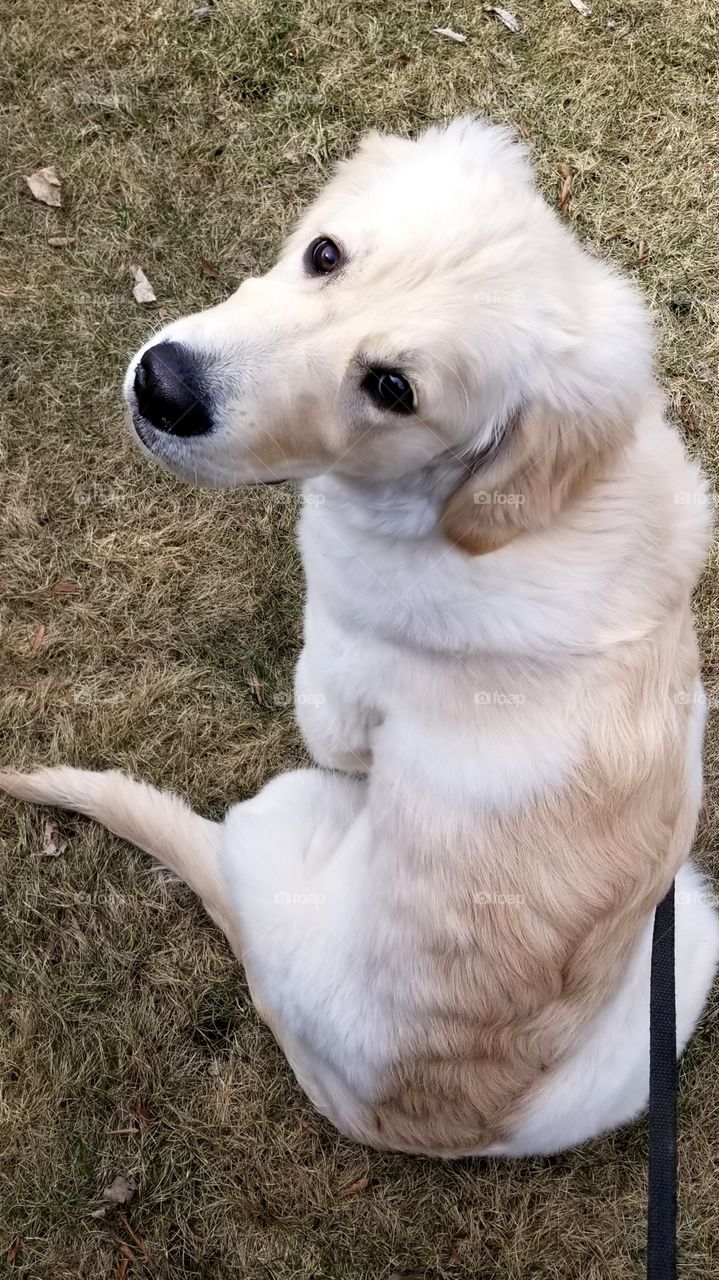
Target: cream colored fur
[{"x": 446, "y": 921}]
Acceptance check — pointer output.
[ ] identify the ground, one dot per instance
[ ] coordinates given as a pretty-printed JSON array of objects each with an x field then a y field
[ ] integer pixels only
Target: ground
[{"x": 152, "y": 626}]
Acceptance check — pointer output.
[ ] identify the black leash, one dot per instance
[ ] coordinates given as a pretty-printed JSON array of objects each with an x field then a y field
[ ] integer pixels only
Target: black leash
[{"x": 662, "y": 1211}]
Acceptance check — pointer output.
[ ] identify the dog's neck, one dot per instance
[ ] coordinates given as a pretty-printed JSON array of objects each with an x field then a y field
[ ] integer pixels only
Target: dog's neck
[
  {"x": 602, "y": 574},
  {"x": 408, "y": 507}
]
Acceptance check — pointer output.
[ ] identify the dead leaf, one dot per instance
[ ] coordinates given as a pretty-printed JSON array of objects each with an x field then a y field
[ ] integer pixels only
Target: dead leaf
[
  {"x": 38, "y": 638},
  {"x": 14, "y": 1251},
  {"x": 566, "y": 190},
  {"x": 143, "y": 1115},
  {"x": 45, "y": 186},
  {"x": 504, "y": 16},
  {"x": 66, "y": 588},
  {"x": 142, "y": 290},
  {"x": 52, "y": 846},
  {"x": 355, "y": 1187},
  {"x": 120, "y": 1191},
  {"x": 209, "y": 268},
  {"x": 136, "y": 1239},
  {"x": 582, "y": 8},
  {"x": 642, "y": 255},
  {"x": 60, "y": 242},
  {"x": 122, "y": 1133},
  {"x": 99, "y": 1213},
  {"x": 202, "y": 13},
  {"x": 450, "y": 34},
  {"x": 256, "y": 688}
]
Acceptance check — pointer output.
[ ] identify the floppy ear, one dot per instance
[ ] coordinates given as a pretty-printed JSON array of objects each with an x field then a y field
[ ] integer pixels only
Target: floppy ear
[
  {"x": 542, "y": 466},
  {"x": 592, "y": 380}
]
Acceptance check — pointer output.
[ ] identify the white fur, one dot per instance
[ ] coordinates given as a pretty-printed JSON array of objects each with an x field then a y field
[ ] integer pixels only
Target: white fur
[{"x": 431, "y": 681}]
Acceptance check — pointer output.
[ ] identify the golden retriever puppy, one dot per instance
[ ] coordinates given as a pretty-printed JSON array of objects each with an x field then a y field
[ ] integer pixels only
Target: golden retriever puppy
[{"x": 446, "y": 920}]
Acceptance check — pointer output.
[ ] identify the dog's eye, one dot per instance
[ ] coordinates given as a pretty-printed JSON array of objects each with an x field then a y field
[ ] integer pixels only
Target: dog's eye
[
  {"x": 389, "y": 389},
  {"x": 324, "y": 256}
]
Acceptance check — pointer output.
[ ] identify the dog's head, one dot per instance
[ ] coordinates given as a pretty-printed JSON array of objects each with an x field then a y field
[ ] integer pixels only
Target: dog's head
[{"x": 430, "y": 309}]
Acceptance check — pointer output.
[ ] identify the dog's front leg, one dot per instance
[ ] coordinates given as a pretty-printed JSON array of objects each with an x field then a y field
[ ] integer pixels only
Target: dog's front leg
[{"x": 335, "y": 719}]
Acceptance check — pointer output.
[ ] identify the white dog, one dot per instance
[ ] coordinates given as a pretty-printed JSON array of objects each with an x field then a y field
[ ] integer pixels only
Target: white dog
[{"x": 447, "y": 920}]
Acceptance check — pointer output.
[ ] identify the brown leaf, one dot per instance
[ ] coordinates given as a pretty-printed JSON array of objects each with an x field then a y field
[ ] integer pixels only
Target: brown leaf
[
  {"x": 256, "y": 688},
  {"x": 136, "y": 1240},
  {"x": 355, "y": 1188},
  {"x": 566, "y": 189},
  {"x": 38, "y": 638},
  {"x": 143, "y": 1115},
  {"x": 209, "y": 268},
  {"x": 120, "y": 1191},
  {"x": 14, "y": 1251},
  {"x": 123, "y": 1267},
  {"x": 52, "y": 846},
  {"x": 122, "y": 1133},
  {"x": 45, "y": 186},
  {"x": 59, "y": 242},
  {"x": 66, "y": 588},
  {"x": 642, "y": 255}
]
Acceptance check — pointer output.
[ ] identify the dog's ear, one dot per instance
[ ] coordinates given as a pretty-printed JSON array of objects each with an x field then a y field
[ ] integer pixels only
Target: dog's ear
[
  {"x": 541, "y": 467},
  {"x": 594, "y": 379}
]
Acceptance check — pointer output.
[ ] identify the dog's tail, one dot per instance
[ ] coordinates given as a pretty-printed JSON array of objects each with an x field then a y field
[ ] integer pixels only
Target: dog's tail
[{"x": 156, "y": 821}]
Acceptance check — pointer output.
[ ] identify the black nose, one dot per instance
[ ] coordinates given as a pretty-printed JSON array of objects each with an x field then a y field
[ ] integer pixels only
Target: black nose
[{"x": 169, "y": 390}]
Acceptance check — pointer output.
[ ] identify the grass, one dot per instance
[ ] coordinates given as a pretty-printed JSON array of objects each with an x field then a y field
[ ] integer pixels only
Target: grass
[{"x": 176, "y": 140}]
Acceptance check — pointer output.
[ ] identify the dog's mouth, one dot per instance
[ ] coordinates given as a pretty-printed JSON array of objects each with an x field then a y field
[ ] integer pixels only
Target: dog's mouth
[{"x": 179, "y": 454}]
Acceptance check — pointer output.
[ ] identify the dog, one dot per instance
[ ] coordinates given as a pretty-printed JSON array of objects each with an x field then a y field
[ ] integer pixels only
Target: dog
[{"x": 446, "y": 920}]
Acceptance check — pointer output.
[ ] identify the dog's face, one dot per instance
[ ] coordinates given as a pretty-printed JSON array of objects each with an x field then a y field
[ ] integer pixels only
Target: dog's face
[{"x": 428, "y": 302}]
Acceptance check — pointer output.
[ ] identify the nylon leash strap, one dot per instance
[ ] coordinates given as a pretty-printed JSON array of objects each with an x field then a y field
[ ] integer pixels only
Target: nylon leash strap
[{"x": 662, "y": 1208}]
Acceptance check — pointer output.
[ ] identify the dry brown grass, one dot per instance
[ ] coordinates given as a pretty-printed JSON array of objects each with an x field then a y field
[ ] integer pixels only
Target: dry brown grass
[{"x": 118, "y": 993}]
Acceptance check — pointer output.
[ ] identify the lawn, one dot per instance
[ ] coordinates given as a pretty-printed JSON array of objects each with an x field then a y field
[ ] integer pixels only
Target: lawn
[{"x": 153, "y": 626}]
